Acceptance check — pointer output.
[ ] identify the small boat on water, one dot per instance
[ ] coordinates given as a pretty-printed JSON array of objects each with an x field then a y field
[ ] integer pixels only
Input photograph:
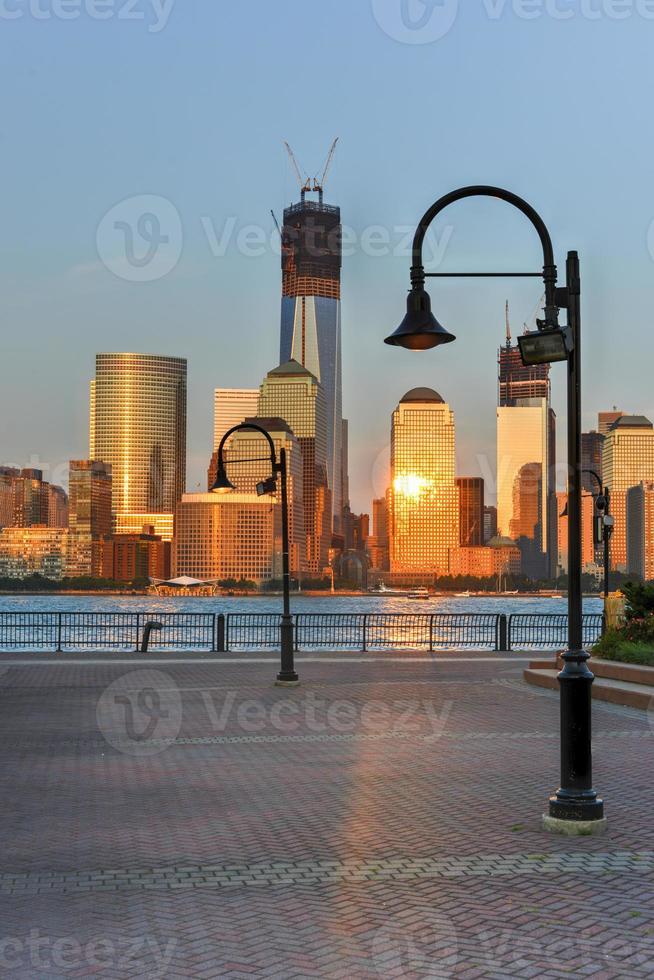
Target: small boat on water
[
  {"x": 462, "y": 595},
  {"x": 419, "y": 594}
]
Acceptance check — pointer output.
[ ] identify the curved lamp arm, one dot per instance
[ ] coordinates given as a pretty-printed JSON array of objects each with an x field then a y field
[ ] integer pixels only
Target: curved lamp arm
[
  {"x": 484, "y": 190},
  {"x": 240, "y": 428}
]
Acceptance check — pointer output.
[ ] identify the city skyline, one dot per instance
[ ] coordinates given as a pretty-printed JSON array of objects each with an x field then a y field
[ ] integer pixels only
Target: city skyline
[{"x": 61, "y": 295}]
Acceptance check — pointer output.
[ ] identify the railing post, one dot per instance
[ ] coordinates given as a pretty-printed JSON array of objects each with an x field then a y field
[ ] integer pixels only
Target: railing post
[
  {"x": 296, "y": 631},
  {"x": 219, "y": 633},
  {"x": 59, "y": 629},
  {"x": 431, "y": 633},
  {"x": 365, "y": 633},
  {"x": 509, "y": 638},
  {"x": 503, "y": 634}
]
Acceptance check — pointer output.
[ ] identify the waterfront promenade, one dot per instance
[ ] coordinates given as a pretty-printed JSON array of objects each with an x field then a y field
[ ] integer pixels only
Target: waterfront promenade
[{"x": 178, "y": 816}]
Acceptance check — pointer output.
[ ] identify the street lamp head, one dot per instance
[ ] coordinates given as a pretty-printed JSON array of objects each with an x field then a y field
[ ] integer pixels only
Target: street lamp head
[
  {"x": 419, "y": 330},
  {"x": 266, "y": 487},
  {"x": 222, "y": 483}
]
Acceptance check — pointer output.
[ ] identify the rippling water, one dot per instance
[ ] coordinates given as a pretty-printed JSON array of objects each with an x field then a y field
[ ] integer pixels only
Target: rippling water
[{"x": 299, "y": 604}]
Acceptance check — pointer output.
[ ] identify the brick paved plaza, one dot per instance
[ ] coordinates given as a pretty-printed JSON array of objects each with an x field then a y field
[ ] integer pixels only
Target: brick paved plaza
[{"x": 187, "y": 819}]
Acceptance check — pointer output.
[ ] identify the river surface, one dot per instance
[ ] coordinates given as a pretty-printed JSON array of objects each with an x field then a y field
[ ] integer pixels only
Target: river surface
[{"x": 299, "y": 604}]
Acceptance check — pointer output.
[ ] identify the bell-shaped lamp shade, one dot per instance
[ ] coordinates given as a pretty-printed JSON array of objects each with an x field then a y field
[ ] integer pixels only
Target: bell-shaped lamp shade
[
  {"x": 222, "y": 483},
  {"x": 419, "y": 330}
]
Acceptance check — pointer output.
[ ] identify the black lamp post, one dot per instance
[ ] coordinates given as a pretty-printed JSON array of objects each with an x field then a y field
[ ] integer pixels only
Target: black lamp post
[
  {"x": 576, "y": 807},
  {"x": 287, "y": 676},
  {"x": 605, "y": 520}
]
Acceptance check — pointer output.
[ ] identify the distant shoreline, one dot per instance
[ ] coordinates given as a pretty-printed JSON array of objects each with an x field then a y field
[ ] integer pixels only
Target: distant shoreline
[{"x": 294, "y": 595}]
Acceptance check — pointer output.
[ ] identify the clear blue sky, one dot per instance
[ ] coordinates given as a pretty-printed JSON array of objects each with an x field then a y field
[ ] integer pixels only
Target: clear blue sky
[{"x": 97, "y": 111}]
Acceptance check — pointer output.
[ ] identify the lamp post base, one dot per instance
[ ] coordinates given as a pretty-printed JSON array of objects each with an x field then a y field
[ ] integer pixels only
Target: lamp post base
[
  {"x": 287, "y": 680},
  {"x": 574, "y": 828}
]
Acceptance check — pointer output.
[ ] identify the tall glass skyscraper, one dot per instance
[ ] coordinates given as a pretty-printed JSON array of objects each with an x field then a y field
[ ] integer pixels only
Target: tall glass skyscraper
[
  {"x": 424, "y": 498},
  {"x": 311, "y": 317},
  {"x": 138, "y": 426}
]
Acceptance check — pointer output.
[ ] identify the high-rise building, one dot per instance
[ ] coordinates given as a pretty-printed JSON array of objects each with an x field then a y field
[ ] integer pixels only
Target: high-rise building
[
  {"x": 7, "y": 476},
  {"x": 231, "y": 406},
  {"x": 588, "y": 553},
  {"x": 292, "y": 393},
  {"x": 471, "y": 511},
  {"x": 311, "y": 317},
  {"x": 592, "y": 444},
  {"x": 627, "y": 461},
  {"x": 253, "y": 449},
  {"x": 90, "y": 489},
  {"x": 490, "y": 523},
  {"x": 138, "y": 427},
  {"x": 526, "y": 460},
  {"x": 640, "y": 531},
  {"x": 424, "y": 500},
  {"x": 220, "y": 537},
  {"x": 378, "y": 542},
  {"x": 607, "y": 419},
  {"x": 57, "y": 506},
  {"x": 31, "y": 499}
]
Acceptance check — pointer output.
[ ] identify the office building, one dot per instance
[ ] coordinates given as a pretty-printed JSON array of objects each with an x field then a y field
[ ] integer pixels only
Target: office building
[
  {"x": 231, "y": 406},
  {"x": 34, "y": 550},
  {"x": 592, "y": 446},
  {"x": 526, "y": 460},
  {"x": 137, "y": 557},
  {"x": 471, "y": 511},
  {"x": 138, "y": 427},
  {"x": 292, "y": 393},
  {"x": 490, "y": 523},
  {"x": 57, "y": 506},
  {"x": 225, "y": 537},
  {"x": 311, "y": 319},
  {"x": 605, "y": 420},
  {"x": 253, "y": 448},
  {"x": 627, "y": 461},
  {"x": 7, "y": 476},
  {"x": 640, "y": 531},
  {"x": 378, "y": 547},
  {"x": 589, "y": 557},
  {"x": 501, "y": 557},
  {"x": 90, "y": 489},
  {"x": 424, "y": 500}
]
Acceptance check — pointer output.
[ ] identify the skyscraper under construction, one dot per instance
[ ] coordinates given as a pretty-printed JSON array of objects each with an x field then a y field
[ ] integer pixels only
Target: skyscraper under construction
[{"x": 311, "y": 311}]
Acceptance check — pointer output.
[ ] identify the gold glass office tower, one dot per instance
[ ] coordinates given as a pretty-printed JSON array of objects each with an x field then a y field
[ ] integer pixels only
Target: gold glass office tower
[
  {"x": 138, "y": 426},
  {"x": 627, "y": 461},
  {"x": 424, "y": 498}
]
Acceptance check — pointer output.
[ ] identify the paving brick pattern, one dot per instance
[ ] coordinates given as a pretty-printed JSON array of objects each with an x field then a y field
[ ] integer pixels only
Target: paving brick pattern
[{"x": 383, "y": 820}]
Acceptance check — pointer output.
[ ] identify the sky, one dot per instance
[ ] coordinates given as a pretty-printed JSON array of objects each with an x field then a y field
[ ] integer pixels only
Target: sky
[{"x": 114, "y": 110}]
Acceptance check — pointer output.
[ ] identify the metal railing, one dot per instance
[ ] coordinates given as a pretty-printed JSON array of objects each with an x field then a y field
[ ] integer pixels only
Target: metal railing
[
  {"x": 533, "y": 631},
  {"x": 236, "y": 632}
]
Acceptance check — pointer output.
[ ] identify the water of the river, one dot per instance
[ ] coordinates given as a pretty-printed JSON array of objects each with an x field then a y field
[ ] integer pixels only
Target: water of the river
[{"x": 299, "y": 604}]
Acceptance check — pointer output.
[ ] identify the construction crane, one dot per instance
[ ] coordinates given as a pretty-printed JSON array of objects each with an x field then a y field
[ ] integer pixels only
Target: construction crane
[
  {"x": 531, "y": 324},
  {"x": 316, "y": 184},
  {"x": 304, "y": 182},
  {"x": 319, "y": 182},
  {"x": 508, "y": 326},
  {"x": 279, "y": 230}
]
